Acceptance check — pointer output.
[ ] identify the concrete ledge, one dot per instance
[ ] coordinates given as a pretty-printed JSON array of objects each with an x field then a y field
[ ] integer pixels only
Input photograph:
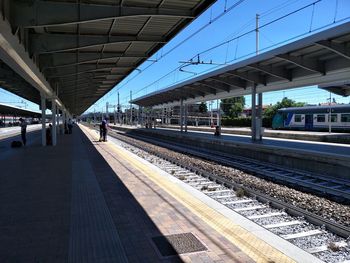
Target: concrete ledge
[{"x": 283, "y": 134}]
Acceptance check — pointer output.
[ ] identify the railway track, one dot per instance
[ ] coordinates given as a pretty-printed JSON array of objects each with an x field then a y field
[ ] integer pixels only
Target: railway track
[
  {"x": 333, "y": 189},
  {"x": 326, "y": 240}
]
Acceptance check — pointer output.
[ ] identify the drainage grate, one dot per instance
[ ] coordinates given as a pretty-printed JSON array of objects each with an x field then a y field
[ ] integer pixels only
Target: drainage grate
[{"x": 178, "y": 244}]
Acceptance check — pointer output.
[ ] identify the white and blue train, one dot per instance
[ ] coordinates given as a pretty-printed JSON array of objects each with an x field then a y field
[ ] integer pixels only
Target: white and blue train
[{"x": 317, "y": 118}]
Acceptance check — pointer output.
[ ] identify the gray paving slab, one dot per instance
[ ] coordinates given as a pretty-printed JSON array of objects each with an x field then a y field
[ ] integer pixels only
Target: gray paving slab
[
  {"x": 93, "y": 236},
  {"x": 35, "y": 203}
]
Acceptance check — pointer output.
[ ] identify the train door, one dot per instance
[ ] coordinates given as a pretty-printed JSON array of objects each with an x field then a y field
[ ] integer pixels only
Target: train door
[{"x": 309, "y": 118}]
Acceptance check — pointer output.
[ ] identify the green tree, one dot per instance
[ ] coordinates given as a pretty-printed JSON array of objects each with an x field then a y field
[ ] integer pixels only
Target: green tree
[
  {"x": 203, "y": 108},
  {"x": 285, "y": 103},
  {"x": 232, "y": 106}
]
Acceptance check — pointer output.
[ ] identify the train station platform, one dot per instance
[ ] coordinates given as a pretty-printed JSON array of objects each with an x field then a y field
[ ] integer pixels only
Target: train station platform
[
  {"x": 90, "y": 201},
  {"x": 329, "y": 159},
  {"x": 317, "y": 136}
]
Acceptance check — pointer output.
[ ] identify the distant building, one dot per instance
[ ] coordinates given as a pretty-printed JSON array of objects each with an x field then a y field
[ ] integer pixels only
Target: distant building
[{"x": 248, "y": 111}]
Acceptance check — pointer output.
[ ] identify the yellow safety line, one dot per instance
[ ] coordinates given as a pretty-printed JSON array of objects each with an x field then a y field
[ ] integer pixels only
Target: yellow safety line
[{"x": 251, "y": 245}]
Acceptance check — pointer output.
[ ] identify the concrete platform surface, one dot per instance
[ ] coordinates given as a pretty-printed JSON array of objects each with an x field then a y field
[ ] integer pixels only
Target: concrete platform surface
[{"x": 86, "y": 201}]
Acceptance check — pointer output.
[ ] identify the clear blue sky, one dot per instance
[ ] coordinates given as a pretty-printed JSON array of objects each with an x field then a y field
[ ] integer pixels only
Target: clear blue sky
[{"x": 235, "y": 22}]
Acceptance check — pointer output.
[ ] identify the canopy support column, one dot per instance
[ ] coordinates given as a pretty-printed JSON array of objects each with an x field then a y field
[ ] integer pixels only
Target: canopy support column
[
  {"x": 259, "y": 118},
  {"x": 181, "y": 115},
  {"x": 43, "y": 120},
  {"x": 186, "y": 115},
  {"x": 253, "y": 112},
  {"x": 53, "y": 116}
]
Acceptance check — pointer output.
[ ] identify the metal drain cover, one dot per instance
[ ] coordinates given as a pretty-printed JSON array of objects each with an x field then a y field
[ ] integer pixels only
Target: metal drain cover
[{"x": 178, "y": 244}]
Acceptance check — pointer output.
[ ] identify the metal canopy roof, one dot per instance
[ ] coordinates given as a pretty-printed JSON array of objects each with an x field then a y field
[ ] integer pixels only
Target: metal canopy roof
[
  {"x": 84, "y": 49},
  {"x": 318, "y": 59},
  {"x": 342, "y": 89},
  {"x": 16, "y": 111}
]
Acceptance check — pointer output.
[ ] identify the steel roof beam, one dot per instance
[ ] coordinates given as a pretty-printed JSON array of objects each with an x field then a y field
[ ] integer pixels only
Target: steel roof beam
[
  {"x": 251, "y": 77},
  {"x": 185, "y": 93},
  {"x": 57, "y": 60},
  {"x": 275, "y": 72},
  {"x": 49, "y": 13},
  {"x": 231, "y": 82},
  {"x": 309, "y": 64},
  {"x": 107, "y": 77},
  {"x": 204, "y": 89},
  {"x": 87, "y": 67},
  {"x": 339, "y": 49},
  {"x": 53, "y": 43},
  {"x": 63, "y": 84},
  {"x": 216, "y": 86},
  {"x": 200, "y": 90}
]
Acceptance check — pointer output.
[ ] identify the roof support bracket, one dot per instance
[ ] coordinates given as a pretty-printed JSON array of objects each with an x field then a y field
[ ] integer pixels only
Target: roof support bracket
[
  {"x": 306, "y": 63},
  {"x": 336, "y": 48},
  {"x": 280, "y": 73}
]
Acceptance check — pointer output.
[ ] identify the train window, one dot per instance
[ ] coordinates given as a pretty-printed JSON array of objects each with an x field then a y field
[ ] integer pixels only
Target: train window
[
  {"x": 297, "y": 118},
  {"x": 321, "y": 118},
  {"x": 345, "y": 118},
  {"x": 334, "y": 118}
]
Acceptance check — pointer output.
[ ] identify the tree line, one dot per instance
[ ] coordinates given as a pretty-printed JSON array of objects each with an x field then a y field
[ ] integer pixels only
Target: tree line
[{"x": 232, "y": 109}]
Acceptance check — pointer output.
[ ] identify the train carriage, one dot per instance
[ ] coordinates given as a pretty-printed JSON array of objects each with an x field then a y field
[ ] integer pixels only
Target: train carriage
[{"x": 316, "y": 118}]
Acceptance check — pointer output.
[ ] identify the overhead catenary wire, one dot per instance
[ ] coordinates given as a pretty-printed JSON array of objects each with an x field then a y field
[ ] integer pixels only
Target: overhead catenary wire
[{"x": 232, "y": 39}]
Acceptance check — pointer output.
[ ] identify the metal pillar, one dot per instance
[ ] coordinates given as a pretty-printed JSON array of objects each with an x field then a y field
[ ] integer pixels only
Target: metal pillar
[
  {"x": 211, "y": 114},
  {"x": 43, "y": 120},
  {"x": 139, "y": 121},
  {"x": 114, "y": 116},
  {"x": 130, "y": 107},
  {"x": 58, "y": 119},
  {"x": 330, "y": 114},
  {"x": 63, "y": 121},
  {"x": 181, "y": 114},
  {"x": 254, "y": 112},
  {"x": 54, "y": 129},
  {"x": 218, "y": 123},
  {"x": 118, "y": 109},
  {"x": 186, "y": 114},
  {"x": 259, "y": 118}
]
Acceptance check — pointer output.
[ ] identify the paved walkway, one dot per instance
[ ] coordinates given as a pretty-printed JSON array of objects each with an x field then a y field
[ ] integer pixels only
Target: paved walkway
[{"x": 82, "y": 202}]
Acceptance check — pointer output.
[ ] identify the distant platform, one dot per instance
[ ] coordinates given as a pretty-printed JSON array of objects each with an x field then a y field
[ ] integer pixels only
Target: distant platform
[
  {"x": 328, "y": 159},
  {"x": 334, "y": 137}
]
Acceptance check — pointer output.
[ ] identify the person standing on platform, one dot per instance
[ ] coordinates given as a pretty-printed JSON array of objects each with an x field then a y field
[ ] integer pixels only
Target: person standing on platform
[
  {"x": 104, "y": 130},
  {"x": 70, "y": 126},
  {"x": 23, "y": 125}
]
